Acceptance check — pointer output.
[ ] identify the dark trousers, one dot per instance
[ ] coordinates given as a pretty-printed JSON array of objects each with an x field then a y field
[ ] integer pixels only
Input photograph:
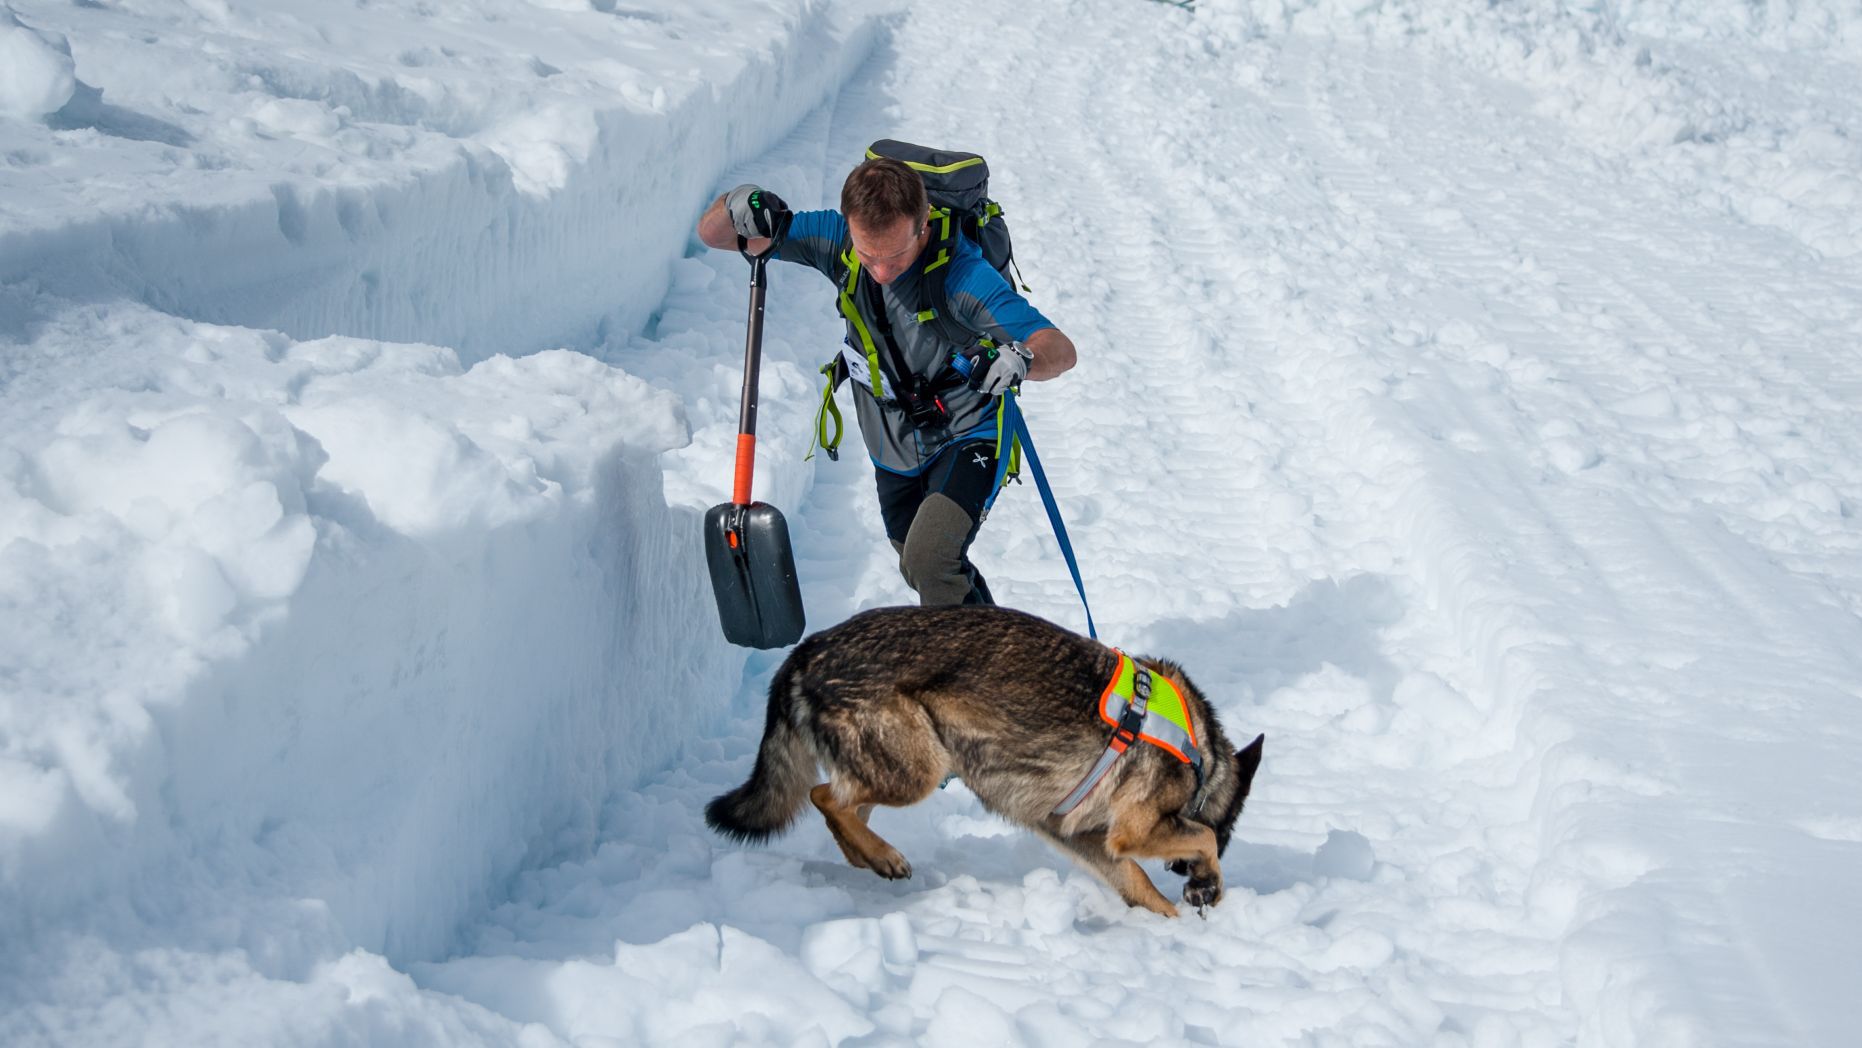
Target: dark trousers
[{"x": 932, "y": 519}]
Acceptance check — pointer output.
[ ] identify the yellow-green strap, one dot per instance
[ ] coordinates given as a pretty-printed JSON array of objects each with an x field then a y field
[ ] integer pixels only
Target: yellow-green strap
[
  {"x": 930, "y": 169},
  {"x": 829, "y": 409},
  {"x": 1015, "y": 447},
  {"x": 851, "y": 311},
  {"x": 940, "y": 217}
]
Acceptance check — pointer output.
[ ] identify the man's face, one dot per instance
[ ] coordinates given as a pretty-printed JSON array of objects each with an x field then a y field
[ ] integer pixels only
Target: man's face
[{"x": 885, "y": 251}]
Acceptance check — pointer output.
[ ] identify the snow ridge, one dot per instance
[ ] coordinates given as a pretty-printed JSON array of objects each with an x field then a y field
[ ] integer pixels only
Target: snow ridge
[{"x": 557, "y": 198}]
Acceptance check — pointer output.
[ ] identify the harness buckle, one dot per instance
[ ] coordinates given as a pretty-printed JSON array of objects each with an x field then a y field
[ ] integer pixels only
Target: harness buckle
[
  {"x": 1129, "y": 725},
  {"x": 1130, "y": 722}
]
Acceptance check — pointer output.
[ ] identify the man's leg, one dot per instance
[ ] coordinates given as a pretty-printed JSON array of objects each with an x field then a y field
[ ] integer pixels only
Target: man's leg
[
  {"x": 899, "y": 499},
  {"x": 935, "y": 555}
]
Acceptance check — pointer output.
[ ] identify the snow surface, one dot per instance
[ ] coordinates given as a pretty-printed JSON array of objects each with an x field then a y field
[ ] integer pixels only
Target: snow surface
[
  {"x": 1468, "y": 396},
  {"x": 35, "y": 69}
]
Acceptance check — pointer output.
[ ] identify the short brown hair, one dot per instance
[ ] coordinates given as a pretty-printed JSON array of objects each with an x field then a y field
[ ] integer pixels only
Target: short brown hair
[{"x": 881, "y": 191}]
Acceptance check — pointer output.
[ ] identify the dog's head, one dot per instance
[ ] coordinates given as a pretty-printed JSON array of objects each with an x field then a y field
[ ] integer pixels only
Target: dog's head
[
  {"x": 1247, "y": 761},
  {"x": 1229, "y": 775}
]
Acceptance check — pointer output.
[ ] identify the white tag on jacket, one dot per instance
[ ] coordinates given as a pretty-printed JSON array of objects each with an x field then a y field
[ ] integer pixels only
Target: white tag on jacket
[{"x": 859, "y": 374}]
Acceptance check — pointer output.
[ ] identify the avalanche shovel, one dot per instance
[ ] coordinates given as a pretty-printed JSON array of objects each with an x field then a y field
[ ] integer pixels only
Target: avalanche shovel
[{"x": 747, "y": 543}]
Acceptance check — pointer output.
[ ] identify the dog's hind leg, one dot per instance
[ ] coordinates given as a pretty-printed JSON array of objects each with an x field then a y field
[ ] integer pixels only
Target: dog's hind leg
[
  {"x": 858, "y": 842},
  {"x": 884, "y": 752}
]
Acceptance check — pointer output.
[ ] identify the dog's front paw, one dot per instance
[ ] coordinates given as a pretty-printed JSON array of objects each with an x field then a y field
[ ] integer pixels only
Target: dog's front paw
[
  {"x": 1203, "y": 892},
  {"x": 889, "y": 864}
]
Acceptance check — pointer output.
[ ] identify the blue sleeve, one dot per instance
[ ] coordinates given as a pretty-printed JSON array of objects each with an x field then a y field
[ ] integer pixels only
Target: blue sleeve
[
  {"x": 987, "y": 304},
  {"x": 816, "y": 238}
]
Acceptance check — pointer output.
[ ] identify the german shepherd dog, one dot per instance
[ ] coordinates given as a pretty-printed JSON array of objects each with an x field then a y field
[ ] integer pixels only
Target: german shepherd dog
[{"x": 894, "y": 699}]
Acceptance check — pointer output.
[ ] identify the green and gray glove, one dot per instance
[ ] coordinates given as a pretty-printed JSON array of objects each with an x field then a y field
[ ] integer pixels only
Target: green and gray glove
[
  {"x": 756, "y": 212},
  {"x": 999, "y": 369}
]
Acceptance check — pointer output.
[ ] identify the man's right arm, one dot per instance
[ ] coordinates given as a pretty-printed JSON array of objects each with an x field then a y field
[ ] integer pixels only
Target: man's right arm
[
  {"x": 813, "y": 238},
  {"x": 715, "y": 230},
  {"x": 744, "y": 211}
]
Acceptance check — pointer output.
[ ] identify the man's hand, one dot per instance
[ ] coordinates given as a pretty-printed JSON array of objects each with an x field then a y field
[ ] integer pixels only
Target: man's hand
[
  {"x": 992, "y": 378},
  {"x": 756, "y": 212}
]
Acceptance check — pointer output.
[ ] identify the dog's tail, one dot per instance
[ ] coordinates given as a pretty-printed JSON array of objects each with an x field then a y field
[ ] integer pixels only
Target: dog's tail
[{"x": 785, "y": 769}]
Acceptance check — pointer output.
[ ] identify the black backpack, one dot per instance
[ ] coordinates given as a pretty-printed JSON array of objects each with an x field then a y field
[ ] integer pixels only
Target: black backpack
[{"x": 957, "y": 183}]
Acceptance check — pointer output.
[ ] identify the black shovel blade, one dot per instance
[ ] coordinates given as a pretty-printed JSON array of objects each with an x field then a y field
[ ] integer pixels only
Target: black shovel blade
[{"x": 753, "y": 575}]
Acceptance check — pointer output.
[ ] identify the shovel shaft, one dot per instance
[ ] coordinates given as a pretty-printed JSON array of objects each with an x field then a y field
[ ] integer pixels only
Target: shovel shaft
[
  {"x": 753, "y": 366},
  {"x": 746, "y": 465}
]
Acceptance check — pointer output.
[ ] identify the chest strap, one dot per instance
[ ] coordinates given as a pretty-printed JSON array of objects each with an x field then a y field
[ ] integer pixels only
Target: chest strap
[
  {"x": 877, "y": 335},
  {"x": 1139, "y": 705},
  {"x": 851, "y": 310}
]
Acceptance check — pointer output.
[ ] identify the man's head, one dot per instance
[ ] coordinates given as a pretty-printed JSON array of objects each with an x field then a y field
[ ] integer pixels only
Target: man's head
[{"x": 884, "y": 202}]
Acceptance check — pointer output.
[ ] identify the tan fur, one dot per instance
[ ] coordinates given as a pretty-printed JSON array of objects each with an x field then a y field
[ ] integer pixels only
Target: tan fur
[{"x": 892, "y": 701}]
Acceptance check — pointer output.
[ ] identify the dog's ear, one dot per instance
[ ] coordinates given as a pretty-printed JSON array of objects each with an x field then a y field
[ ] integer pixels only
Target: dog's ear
[{"x": 1248, "y": 761}]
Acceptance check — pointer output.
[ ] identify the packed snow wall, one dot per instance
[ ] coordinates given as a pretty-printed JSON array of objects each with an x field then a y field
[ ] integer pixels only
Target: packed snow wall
[{"x": 324, "y": 577}]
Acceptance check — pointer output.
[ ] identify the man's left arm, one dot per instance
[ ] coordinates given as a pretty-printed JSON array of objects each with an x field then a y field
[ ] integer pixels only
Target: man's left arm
[
  {"x": 986, "y": 303},
  {"x": 1053, "y": 354}
]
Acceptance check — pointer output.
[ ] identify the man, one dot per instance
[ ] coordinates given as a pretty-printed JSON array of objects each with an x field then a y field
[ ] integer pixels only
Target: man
[{"x": 931, "y": 434}]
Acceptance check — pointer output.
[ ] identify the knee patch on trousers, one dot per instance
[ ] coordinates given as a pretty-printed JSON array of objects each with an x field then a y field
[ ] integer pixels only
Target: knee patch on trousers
[{"x": 932, "y": 560}]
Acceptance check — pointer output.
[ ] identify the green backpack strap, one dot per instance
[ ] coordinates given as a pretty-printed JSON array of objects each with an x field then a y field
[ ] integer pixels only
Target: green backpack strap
[
  {"x": 851, "y": 310},
  {"x": 836, "y": 373},
  {"x": 937, "y": 300},
  {"x": 1014, "y": 471},
  {"x": 992, "y": 210}
]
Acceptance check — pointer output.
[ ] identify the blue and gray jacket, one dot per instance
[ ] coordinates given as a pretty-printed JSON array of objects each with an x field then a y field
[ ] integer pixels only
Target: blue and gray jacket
[{"x": 979, "y": 299}]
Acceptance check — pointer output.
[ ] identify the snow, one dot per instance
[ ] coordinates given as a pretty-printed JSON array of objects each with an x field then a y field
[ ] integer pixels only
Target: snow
[
  {"x": 1467, "y": 397},
  {"x": 38, "y": 66}
]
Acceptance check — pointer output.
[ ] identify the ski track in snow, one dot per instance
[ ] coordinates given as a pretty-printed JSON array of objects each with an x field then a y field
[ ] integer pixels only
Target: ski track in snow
[{"x": 1508, "y": 489}]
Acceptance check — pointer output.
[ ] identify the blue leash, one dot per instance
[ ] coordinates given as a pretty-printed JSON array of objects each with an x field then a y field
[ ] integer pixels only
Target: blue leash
[{"x": 1016, "y": 428}]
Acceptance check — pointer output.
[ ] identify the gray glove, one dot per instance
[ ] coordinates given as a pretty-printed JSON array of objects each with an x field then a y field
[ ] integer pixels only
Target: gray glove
[
  {"x": 756, "y": 212},
  {"x": 1005, "y": 372}
]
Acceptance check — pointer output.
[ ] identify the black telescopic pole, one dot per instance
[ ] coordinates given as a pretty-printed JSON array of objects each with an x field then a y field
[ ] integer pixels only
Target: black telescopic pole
[{"x": 753, "y": 365}]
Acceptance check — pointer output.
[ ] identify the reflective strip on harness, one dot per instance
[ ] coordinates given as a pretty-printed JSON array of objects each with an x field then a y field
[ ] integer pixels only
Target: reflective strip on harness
[{"x": 1139, "y": 704}]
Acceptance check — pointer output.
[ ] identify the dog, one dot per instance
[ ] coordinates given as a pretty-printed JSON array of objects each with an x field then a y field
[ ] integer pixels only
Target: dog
[{"x": 893, "y": 701}]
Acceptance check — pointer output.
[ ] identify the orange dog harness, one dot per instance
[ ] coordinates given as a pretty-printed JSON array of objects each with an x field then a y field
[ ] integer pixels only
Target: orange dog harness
[{"x": 1139, "y": 705}]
